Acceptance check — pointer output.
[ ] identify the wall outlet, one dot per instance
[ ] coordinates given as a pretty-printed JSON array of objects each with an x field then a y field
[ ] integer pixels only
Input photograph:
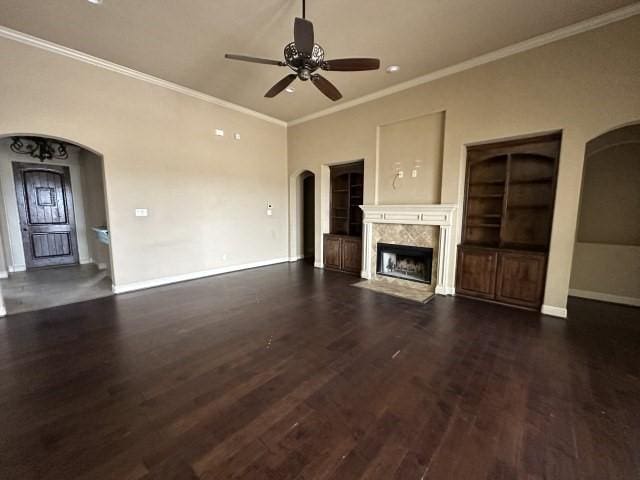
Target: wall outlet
[
  {"x": 400, "y": 174},
  {"x": 142, "y": 212},
  {"x": 414, "y": 173},
  {"x": 236, "y": 136},
  {"x": 269, "y": 212},
  {"x": 219, "y": 132}
]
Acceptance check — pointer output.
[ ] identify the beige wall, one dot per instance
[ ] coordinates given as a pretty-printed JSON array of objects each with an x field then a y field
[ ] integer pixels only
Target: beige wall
[
  {"x": 583, "y": 85},
  {"x": 206, "y": 195},
  {"x": 610, "y": 201},
  {"x": 606, "y": 272},
  {"x": 407, "y": 146}
]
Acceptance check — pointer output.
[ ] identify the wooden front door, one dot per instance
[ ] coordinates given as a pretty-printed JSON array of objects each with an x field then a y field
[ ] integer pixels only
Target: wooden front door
[{"x": 47, "y": 219}]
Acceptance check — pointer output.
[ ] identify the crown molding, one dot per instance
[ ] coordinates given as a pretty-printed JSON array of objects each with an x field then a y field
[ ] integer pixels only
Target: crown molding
[
  {"x": 32, "y": 41},
  {"x": 534, "y": 42}
]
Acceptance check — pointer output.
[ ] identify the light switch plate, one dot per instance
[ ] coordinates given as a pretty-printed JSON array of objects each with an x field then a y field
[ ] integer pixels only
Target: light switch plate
[
  {"x": 219, "y": 133},
  {"x": 142, "y": 212}
]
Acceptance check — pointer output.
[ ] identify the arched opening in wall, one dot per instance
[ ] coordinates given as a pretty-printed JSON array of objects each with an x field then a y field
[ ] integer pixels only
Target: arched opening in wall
[
  {"x": 606, "y": 259},
  {"x": 53, "y": 223},
  {"x": 306, "y": 220}
]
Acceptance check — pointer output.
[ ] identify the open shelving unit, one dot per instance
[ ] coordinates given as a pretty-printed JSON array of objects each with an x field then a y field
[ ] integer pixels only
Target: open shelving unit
[
  {"x": 343, "y": 244},
  {"x": 509, "y": 200},
  {"x": 346, "y": 198}
]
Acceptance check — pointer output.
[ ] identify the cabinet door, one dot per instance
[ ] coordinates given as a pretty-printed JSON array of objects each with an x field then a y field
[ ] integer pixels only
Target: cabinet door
[
  {"x": 520, "y": 278},
  {"x": 476, "y": 272},
  {"x": 332, "y": 252},
  {"x": 351, "y": 255}
]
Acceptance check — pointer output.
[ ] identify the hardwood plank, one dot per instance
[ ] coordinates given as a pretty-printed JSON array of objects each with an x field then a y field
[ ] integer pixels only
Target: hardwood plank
[{"x": 286, "y": 372}]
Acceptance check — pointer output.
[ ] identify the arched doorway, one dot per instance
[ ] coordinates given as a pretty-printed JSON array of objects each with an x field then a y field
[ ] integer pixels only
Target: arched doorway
[
  {"x": 54, "y": 238},
  {"x": 308, "y": 216},
  {"x": 606, "y": 261},
  {"x": 302, "y": 190}
]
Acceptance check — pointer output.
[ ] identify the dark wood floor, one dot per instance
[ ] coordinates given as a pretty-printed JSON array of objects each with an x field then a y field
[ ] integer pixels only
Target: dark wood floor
[{"x": 287, "y": 372}]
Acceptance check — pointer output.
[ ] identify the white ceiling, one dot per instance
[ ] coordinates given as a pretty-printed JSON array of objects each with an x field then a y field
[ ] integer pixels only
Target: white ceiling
[{"x": 185, "y": 41}]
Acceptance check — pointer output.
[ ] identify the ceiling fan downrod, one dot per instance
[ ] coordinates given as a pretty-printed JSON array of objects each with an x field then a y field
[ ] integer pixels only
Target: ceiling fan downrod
[{"x": 304, "y": 9}]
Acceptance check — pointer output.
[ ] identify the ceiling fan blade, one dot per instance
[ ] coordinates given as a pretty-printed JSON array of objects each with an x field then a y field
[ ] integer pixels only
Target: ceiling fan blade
[
  {"x": 326, "y": 87},
  {"x": 245, "y": 58},
  {"x": 281, "y": 85},
  {"x": 303, "y": 35},
  {"x": 351, "y": 64}
]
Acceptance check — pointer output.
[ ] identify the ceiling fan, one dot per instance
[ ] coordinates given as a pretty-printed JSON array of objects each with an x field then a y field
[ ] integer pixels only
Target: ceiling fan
[{"x": 304, "y": 57}]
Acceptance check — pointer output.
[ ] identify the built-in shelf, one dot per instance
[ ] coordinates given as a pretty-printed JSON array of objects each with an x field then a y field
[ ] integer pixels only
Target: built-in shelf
[
  {"x": 346, "y": 197},
  {"x": 483, "y": 225},
  {"x": 487, "y": 182},
  {"x": 487, "y": 195},
  {"x": 521, "y": 207},
  {"x": 507, "y": 223},
  {"x": 532, "y": 181}
]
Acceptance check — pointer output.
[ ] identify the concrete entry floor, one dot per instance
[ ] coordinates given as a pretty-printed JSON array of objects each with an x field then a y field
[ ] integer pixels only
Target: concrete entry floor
[{"x": 50, "y": 287}]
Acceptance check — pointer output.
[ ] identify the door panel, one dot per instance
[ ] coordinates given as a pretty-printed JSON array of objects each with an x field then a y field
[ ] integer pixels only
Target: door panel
[
  {"x": 45, "y": 207},
  {"x": 332, "y": 251},
  {"x": 520, "y": 279},
  {"x": 351, "y": 255},
  {"x": 476, "y": 272}
]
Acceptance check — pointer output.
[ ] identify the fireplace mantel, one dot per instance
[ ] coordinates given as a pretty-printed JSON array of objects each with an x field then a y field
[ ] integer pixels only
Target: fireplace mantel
[{"x": 440, "y": 215}]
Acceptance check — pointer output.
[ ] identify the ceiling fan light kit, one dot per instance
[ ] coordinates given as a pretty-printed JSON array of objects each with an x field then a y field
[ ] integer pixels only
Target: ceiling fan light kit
[{"x": 305, "y": 57}]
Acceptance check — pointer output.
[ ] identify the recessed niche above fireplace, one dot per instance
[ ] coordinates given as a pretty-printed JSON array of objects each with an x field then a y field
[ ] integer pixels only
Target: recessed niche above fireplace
[{"x": 405, "y": 262}]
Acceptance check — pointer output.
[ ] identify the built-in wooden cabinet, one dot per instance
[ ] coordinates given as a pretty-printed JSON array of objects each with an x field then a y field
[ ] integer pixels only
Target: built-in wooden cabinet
[
  {"x": 509, "y": 201},
  {"x": 520, "y": 278},
  {"x": 343, "y": 252},
  {"x": 477, "y": 272},
  {"x": 343, "y": 246}
]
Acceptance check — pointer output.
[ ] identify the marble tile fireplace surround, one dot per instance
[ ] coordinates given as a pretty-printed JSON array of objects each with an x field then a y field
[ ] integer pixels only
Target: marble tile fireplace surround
[{"x": 426, "y": 226}]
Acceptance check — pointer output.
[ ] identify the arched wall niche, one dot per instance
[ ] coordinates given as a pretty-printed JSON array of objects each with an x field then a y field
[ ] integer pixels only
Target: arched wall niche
[{"x": 606, "y": 260}]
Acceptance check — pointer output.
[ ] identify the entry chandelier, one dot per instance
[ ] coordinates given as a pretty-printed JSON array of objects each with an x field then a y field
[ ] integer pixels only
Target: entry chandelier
[{"x": 38, "y": 147}]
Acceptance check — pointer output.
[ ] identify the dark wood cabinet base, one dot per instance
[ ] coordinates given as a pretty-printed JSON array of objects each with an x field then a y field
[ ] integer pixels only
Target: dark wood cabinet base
[
  {"x": 508, "y": 277},
  {"x": 343, "y": 253}
]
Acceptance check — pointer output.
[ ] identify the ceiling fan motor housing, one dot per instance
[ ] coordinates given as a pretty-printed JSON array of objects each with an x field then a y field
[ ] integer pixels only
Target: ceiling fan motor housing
[{"x": 303, "y": 65}]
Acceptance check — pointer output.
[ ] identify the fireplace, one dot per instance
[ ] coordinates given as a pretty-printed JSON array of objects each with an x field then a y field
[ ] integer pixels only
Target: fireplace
[{"x": 405, "y": 262}]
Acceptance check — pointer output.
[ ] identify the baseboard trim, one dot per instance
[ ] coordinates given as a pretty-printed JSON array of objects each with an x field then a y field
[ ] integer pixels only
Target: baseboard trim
[
  {"x": 100, "y": 265},
  {"x": 554, "y": 311},
  {"x": 85, "y": 261},
  {"x": 444, "y": 290},
  {"x": 605, "y": 297},
  {"x": 318, "y": 264},
  {"x": 3, "y": 312},
  {"x": 295, "y": 259},
  {"x": 4, "y": 274},
  {"x": 18, "y": 268},
  {"x": 157, "y": 282}
]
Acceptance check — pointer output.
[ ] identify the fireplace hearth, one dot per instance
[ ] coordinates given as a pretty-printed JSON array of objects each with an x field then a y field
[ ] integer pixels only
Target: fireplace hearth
[{"x": 405, "y": 262}]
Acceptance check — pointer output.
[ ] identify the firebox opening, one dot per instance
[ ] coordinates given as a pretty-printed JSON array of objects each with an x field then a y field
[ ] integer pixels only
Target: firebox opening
[{"x": 405, "y": 262}]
